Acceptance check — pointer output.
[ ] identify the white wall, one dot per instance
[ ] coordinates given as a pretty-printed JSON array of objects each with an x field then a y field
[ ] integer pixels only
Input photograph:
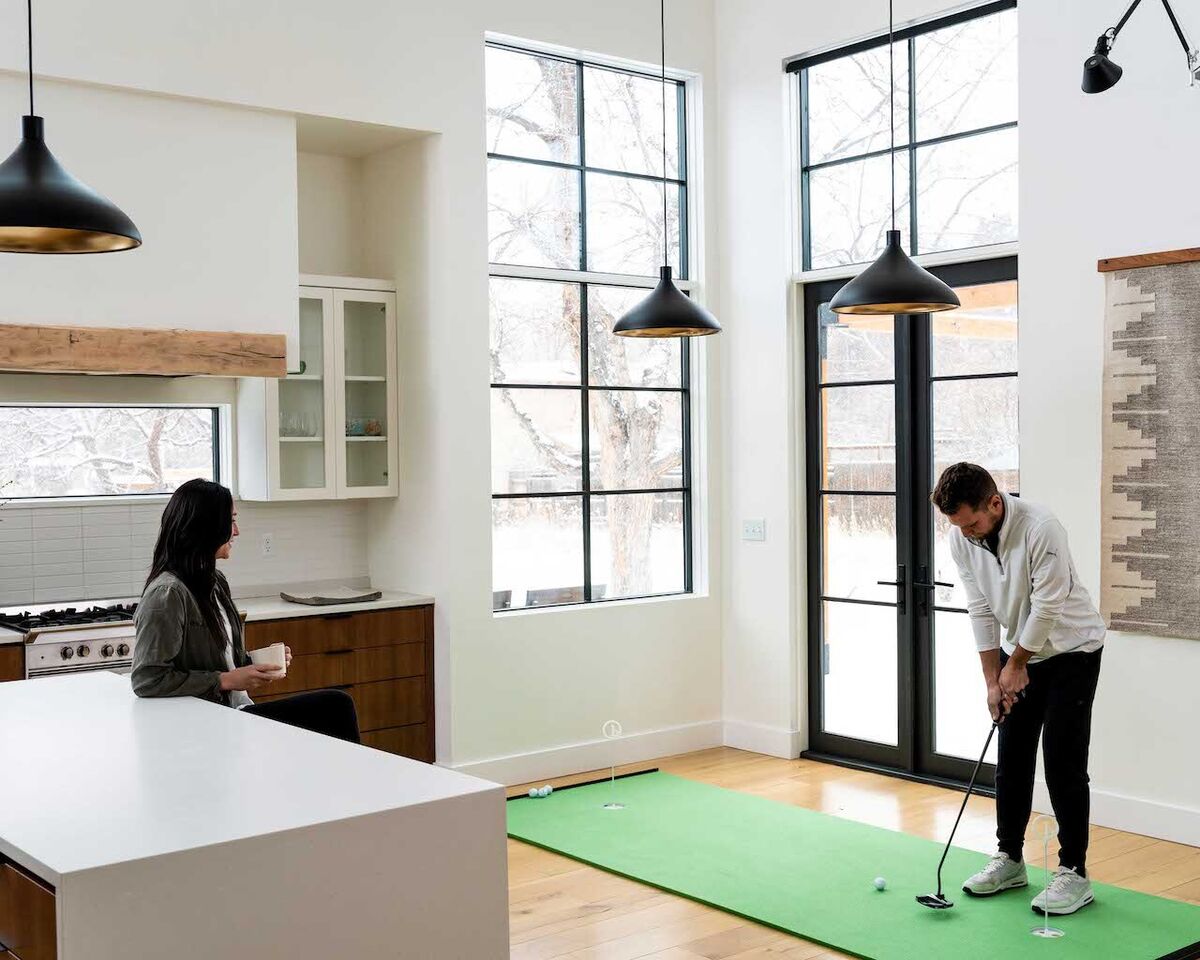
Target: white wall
[
  {"x": 1102, "y": 176},
  {"x": 211, "y": 189},
  {"x": 331, "y": 214},
  {"x": 1099, "y": 176},
  {"x": 530, "y": 683}
]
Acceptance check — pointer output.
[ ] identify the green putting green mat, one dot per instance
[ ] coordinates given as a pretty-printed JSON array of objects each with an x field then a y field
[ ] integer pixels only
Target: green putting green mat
[{"x": 813, "y": 875}]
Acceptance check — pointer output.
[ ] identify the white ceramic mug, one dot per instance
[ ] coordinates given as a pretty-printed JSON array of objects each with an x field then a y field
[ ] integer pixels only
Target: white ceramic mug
[{"x": 272, "y": 656}]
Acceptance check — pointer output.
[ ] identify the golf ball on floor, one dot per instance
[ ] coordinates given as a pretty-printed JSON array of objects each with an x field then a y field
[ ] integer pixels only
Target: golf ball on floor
[
  {"x": 533, "y": 791},
  {"x": 880, "y": 883},
  {"x": 543, "y": 792},
  {"x": 549, "y": 789}
]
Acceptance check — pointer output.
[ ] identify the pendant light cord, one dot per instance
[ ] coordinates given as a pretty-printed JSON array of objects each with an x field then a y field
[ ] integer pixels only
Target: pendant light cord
[
  {"x": 662, "y": 12},
  {"x": 29, "y": 26},
  {"x": 891, "y": 105}
]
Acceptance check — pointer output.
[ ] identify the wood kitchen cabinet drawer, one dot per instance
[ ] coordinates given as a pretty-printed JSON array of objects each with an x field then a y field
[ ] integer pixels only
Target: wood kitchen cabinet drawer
[
  {"x": 409, "y": 741},
  {"x": 341, "y": 631},
  {"x": 303, "y": 634},
  {"x": 27, "y": 925},
  {"x": 387, "y": 703},
  {"x": 389, "y": 663},
  {"x": 381, "y": 627},
  {"x": 316, "y": 671},
  {"x": 12, "y": 663}
]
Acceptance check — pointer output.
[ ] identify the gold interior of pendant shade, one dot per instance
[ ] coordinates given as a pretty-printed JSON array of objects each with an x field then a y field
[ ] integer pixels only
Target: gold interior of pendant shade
[
  {"x": 670, "y": 332},
  {"x": 61, "y": 240},
  {"x": 878, "y": 309}
]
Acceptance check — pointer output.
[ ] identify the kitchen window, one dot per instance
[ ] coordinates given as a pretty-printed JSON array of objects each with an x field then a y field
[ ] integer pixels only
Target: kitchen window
[
  {"x": 54, "y": 451},
  {"x": 591, "y": 433}
]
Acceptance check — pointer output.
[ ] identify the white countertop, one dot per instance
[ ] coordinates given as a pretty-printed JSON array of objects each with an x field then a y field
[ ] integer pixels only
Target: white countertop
[
  {"x": 94, "y": 776},
  {"x": 276, "y": 608}
]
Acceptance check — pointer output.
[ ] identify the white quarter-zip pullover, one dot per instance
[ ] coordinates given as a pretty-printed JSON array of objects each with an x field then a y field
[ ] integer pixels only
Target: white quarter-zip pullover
[{"x": 1028, "y": 586}]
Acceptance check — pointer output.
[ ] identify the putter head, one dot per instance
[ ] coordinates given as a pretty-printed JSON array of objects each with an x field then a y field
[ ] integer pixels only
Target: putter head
[{"x": 934, "y": 901}]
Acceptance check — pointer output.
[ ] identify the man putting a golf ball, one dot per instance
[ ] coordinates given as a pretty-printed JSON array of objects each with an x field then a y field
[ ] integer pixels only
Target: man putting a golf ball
[{"x": 1017, "y": 572}]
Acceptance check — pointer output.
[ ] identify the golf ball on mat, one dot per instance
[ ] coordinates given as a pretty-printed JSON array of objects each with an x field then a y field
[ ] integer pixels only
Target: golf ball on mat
[
  {"x": 880, "y": 883},
  {"x": 549, "y": 789},
  {"x": 533, "y": 791},
  {"x": 543, "y": 792}
]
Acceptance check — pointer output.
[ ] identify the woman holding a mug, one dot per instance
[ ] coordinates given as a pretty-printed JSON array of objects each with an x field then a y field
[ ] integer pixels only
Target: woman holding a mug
[{"x": 189, "y": 633}]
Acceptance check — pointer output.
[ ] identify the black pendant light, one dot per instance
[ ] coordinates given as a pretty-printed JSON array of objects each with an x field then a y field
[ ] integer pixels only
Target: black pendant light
[
  {"x": 43, "y": 209},
  {"x": 1100, "y": 73},
  {"x": 667, "y": 311},
  {"x": 893, "y": 283}
]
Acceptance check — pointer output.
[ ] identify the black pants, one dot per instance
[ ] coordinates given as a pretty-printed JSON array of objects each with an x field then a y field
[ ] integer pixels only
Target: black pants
[
  {"x": 330, "y": 712},
  {"x": 1056, "y": 705}
]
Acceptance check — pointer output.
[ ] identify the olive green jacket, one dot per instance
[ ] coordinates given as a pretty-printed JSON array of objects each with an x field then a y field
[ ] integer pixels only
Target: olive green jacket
[{"x": 175, "y": 654}]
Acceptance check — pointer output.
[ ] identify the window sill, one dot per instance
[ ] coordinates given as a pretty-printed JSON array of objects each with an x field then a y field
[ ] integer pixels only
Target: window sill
[
  {"x": 116, "y": 500},
  {"x": 600, "y": 604}
]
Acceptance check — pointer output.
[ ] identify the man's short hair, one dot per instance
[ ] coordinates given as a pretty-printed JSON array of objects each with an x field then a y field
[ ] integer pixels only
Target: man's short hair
[{"x": 963, "y": 483}]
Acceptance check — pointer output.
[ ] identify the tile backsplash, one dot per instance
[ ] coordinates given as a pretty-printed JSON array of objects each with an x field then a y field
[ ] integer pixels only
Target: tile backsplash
[{"x": 97, "y": 551}]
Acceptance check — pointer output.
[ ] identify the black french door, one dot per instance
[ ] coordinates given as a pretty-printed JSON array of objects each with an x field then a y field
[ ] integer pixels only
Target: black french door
[{"x": 894, "y": 678}]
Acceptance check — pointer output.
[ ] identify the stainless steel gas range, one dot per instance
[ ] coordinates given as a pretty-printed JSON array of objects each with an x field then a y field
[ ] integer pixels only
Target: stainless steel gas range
[{"x": 74, "y": 639}]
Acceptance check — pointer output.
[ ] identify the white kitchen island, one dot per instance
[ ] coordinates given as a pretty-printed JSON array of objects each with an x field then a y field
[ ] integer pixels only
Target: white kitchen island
[{"x": 181, "y": 829}]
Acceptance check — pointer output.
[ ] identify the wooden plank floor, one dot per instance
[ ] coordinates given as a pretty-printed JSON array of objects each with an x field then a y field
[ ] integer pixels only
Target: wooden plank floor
[{"x": 561, "y": 908}]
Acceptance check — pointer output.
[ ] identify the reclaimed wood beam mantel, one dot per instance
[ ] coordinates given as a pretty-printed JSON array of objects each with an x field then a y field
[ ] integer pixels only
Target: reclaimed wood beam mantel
[{"x": 35, "y": 348}]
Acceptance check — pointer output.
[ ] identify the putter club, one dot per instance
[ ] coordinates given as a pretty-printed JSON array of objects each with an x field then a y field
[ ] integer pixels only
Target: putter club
[{"x": 937, "y": 901}]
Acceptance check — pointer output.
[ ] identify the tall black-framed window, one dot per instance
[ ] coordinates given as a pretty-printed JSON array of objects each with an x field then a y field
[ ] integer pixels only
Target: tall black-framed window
[
  {"x": 592, "y": 494},
  {"x": 956, "y": 139}
]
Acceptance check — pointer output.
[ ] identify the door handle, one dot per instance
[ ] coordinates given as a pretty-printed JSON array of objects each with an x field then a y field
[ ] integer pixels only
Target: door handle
[
  {"x": 934, "y": 585},
  {"x": 901, "y": 585}
]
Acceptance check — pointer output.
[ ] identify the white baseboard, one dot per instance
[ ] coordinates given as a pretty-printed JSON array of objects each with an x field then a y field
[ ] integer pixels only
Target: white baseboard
[
  {"x": 596, "y": 754},
  {"x": 772, "y": 741},
  {"x": 1135, "y": 815}
]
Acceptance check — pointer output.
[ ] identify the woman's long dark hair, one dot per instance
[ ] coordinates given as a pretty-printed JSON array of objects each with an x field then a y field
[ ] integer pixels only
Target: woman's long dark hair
[{"x": 198, "y": 520}]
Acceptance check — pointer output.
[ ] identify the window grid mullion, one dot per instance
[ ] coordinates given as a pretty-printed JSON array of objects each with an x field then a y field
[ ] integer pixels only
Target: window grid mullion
[
  {"x": 585, "y": 421},
  {"x": 685, "y": 378},
  {"x": 503, "y": 385},
  {"x": 579, "y": 124},
  {"x": 912, "y": 144},
  {"x": 585, "y": 445},
  {"x": 931, "y": 142},
  {"x": 805, "y": 219}
]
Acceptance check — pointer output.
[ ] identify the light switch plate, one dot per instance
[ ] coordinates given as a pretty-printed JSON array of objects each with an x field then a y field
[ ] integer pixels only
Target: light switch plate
[{"x": 754, "y": 529}]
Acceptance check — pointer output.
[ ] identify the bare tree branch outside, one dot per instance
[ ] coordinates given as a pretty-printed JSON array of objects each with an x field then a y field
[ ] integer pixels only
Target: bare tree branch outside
[{"x": 103, "y": 451}]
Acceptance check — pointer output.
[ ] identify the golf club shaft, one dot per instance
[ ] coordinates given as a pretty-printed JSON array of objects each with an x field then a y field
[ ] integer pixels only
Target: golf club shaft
[{"x": 970, "y": 787}]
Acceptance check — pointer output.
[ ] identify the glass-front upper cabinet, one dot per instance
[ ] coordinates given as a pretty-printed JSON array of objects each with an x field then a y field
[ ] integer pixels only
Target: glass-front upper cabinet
[
  {"x": 328, "y": 429},
  {"x": 304, "y": 409},
  {"x": 367, "y": 396}
]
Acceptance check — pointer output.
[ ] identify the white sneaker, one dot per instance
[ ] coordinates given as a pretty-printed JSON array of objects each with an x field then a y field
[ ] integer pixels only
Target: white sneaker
[
  {"x": 1001, "y": 873},
  {"x": 1066, "y": 893}
]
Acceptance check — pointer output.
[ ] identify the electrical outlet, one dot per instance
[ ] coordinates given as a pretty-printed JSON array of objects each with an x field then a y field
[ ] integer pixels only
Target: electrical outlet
[
  {"x": 268, "y": 544},
  {"x": 754, "y": 529}
]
